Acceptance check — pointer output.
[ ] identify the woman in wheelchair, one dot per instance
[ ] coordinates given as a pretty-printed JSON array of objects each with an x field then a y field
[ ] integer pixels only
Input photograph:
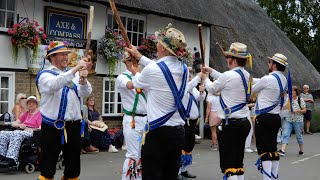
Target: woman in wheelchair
[{"x": 10, "y": 141}]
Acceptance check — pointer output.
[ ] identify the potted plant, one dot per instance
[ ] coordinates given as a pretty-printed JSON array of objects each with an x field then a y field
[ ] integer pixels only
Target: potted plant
[{"x": 26, "y": 35}]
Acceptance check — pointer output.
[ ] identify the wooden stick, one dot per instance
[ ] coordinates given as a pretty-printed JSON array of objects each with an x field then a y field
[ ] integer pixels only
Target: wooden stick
[
  {"x": 119, "y": 22},
  {"x": 220, "y": 48},
  {"x": 91, "y": 16},
  {"x": 201, "y": 44},
  {"x": 86, "y": 52}
]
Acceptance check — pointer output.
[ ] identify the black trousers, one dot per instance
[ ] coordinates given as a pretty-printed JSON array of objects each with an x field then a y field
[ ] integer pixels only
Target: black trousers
[
  {"x": 189, "y": 138},
  {"x": 50, "y": 143},
  {"x": 232, "y": 140},
  {"x": 266, "y": 130},
  {"x": 161, "y": 153}
]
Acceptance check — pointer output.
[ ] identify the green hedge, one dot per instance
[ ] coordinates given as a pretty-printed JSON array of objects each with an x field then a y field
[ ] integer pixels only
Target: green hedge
[{"x": 315, "y": 121}]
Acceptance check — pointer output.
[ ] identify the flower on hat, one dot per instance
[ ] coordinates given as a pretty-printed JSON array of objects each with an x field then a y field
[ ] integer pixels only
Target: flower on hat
[
  {"x": 26, "y": 35},
  {"x": 173, "y": 40}
]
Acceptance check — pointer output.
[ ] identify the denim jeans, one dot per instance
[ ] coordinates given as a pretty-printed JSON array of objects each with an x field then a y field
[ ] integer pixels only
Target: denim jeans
[{"x": 287, "y": 129}]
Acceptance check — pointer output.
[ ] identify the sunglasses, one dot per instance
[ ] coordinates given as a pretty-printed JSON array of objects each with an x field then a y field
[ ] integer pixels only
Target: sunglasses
[{"x": 23, "y": 98}]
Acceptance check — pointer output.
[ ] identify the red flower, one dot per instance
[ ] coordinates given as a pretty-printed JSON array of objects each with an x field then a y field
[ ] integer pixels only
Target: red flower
[
  {"x": 52, "y": 44},
  {"x": 9, "y": 31},
  {"x": 44, "y": 36},
  {"x": 12, "y": 40},
  {"x": 41, "y": 29},
  {"x": 15, "y": 26},
  {"x": 36, "y": 23}
]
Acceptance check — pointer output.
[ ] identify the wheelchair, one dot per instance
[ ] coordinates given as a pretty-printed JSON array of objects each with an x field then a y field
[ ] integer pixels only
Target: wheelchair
[{"x": 29, "y": 154}]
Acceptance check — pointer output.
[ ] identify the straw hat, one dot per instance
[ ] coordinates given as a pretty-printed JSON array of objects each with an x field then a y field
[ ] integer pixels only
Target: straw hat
[
  {"x": 102, "y": 125},
  {"x": 238, "y": 50},
  {"x": 171, "y": 38},
  {"x": 280, "y": 58},
  {"x": 126, "y": 56},
  {"x": 56, "y": 47}
]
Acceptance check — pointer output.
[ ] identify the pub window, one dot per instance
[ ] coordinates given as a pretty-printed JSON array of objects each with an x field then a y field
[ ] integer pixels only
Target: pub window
[
  {"x": 7, "y": 14},
  {"x": 111, "y": 98},
  {"x": 6, "y": 92},
  {"x": 134, "y": 24}
]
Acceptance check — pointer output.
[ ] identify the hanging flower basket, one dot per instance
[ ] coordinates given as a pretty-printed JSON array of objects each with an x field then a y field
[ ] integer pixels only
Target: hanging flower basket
[
  {"x": 112, "y": 49},
  {"x": 148, "y": 47},
  {"x": 26, "y": 35}
]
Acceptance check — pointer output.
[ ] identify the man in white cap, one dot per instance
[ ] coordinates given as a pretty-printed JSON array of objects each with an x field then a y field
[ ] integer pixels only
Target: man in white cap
[
  {"x": 271, "y": 89},
  {"x": 234, "y": 89},
  {"x": 135, "y": 117},
  {"x": 308, "y": 99},
  {"x": 165, "y": 82},
  {"x": 61, "y": 89}
]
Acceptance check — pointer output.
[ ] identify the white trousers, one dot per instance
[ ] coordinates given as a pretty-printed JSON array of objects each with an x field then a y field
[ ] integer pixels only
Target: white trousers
[
  {"x": 132, "y": 136},
  {"x": 249, "y": 137},
  {"x": 10, "y": 142}
]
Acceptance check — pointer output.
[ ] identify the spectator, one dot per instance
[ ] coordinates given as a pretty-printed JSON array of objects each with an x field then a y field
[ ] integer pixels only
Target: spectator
[
  {"x": 10, "y": 141},
  {"x": 251, "y": 118},
  {"x": 99, "y": 138},
  {"x": 86, "y": 141},
  {"x": 212, "y": 118},
  {"x": 308, "y": 99},
  {"x": 294, "y": 122},
  {"x": 19, "y": 108}
]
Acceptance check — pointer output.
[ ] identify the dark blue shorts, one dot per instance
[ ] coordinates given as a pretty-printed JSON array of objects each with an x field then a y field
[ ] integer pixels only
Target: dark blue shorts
[{"x": 308, "y": 115}]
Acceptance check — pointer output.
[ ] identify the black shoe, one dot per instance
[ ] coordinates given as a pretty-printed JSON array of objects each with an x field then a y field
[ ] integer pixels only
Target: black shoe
[
  {"x": 8, "y": 163},
  {"x": 281, "y": 153},
  {"x": 180, "y": 177},
  {"x": 188, "y": 175},
  {"x": 300, "y": 153},
  {"x": 308, "y": 132}
]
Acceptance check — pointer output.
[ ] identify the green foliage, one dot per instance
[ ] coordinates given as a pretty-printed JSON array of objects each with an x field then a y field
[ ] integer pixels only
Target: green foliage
[
  {"x": 300, "y": 20},
  {"x": 315, "y": 121}
]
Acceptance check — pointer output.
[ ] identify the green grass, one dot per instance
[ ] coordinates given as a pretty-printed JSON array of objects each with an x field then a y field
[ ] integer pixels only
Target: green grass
[{"x": 315, "y": 121}]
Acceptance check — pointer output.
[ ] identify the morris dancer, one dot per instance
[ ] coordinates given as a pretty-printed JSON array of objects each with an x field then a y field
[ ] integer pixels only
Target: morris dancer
[
  {"x": 61, "y": 88},
  {"x": 193, "y": 115},
  {"x": 233, "y": 85},
  {"x": 135, "y": 117},
  {"x": 271, "y": 89},
  {"x": 166, "y": 114}
]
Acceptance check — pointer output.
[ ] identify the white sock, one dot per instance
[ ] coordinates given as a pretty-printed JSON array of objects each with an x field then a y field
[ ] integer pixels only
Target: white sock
[
  {"x": 183, "y": 168},
  {"x": 275, "y": 169},
  {"x": 241, "y": 177},
  {"x": 267, "y": 168},
  {"x": 234, "y": 177},
  {"x": 179, "y": 170}
]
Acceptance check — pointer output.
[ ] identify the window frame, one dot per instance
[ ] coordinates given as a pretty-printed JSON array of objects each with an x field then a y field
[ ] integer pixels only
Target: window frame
[
  {"x": 11, "y": 98},
  {"x": 116, "y": 102},
  {"x": 5, "y": 29},
  {"x": 133, "y": 16}
]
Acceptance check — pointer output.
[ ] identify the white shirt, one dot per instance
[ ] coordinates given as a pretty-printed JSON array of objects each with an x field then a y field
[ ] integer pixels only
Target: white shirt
[
  {"x": 50, "y": 88},
  {"x": 215, "y": 102},
  {"x": 269, "y": 91},
  {"x": 160, "y": 100},
  {"x": 128, "y": 95},
  {"x": 230, "y": 85},
  {"x": 191, "y": 88}
]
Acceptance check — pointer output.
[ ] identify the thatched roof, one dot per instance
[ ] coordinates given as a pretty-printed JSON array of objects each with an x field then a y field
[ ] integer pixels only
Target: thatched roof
[{"x": 235, "y": 20}]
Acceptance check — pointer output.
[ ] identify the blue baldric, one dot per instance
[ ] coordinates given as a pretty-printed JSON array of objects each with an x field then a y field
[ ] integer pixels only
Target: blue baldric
[
  {"x": 59, "y": 123},
  {"x": 177, "y": 94},
  {"x": 192, "y": 99},
  {"x": 281, "y": 99},
  {"x": 227, "y": 111}
]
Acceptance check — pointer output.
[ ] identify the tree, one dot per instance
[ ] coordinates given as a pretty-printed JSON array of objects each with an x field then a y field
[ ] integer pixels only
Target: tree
[{"x": 300, "y": 20}]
